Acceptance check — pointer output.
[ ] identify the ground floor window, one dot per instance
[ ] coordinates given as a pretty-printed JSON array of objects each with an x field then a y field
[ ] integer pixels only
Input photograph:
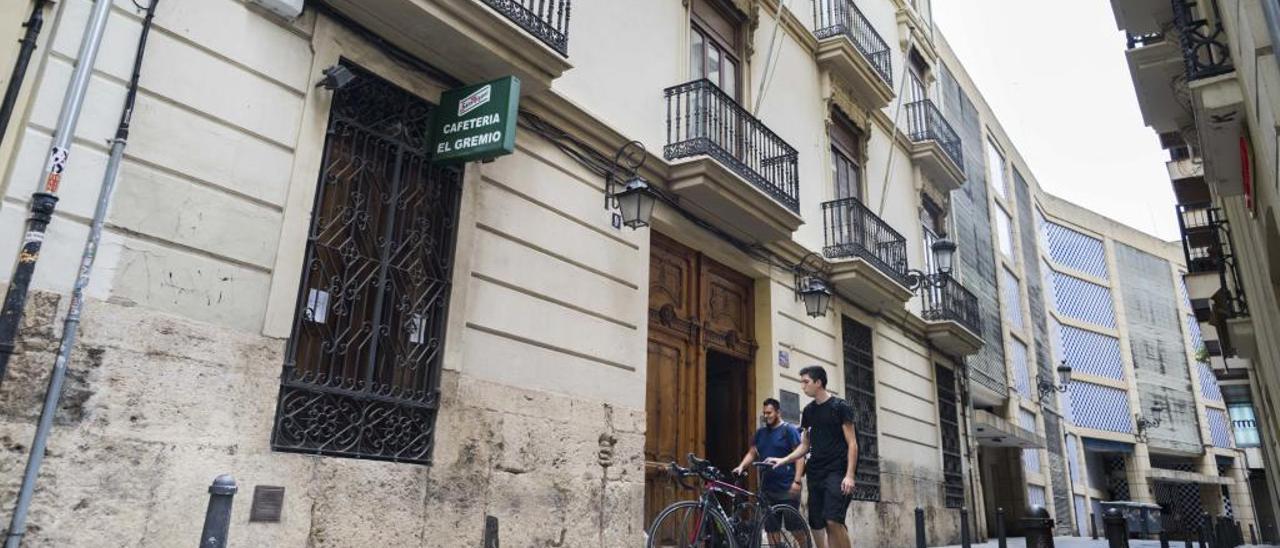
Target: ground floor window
[
  {"x": 952, "y": 470},
  {"x": 860, "y": 390},
  {"x": 362, "y": 368}
]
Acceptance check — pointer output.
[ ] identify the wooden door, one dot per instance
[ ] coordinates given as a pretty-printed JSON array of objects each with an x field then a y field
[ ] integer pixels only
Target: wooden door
[{"x": 695, "y": 304}]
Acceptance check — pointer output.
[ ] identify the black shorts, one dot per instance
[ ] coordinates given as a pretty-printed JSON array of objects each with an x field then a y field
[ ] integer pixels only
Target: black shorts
[
  {"x": 826, "y": 502},
  {"x": 773, "y": 523}
]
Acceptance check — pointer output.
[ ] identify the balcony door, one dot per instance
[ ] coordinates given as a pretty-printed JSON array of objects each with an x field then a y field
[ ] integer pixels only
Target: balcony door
[{"x": 715, "y": 54}]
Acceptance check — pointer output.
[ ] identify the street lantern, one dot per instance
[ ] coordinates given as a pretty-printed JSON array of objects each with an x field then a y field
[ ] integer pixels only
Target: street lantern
[
  {"x": 944, "y": 252},
  {"x": 635, "y": 203},
  {"x": 1064, "y": 381},
  {"x": 1064, "y": 373},
  {"x": 816, "y": 296}
]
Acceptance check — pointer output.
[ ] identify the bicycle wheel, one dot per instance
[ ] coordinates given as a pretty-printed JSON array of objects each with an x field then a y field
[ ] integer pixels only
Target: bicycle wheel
[
  {"x": 687, "y": 525},
  {"x": 784, "y": 527}
]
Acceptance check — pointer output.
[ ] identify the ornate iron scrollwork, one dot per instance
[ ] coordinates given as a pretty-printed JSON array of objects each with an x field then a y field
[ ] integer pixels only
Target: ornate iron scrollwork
[{"x": 362, "y": 367}]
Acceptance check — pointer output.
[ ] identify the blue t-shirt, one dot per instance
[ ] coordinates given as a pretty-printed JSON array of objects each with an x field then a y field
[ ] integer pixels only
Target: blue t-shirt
[{"x": 778, "y": 441}]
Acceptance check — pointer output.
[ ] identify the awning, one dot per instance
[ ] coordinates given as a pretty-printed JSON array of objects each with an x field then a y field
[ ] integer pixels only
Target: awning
[
  {"x": 1106, "y": 446},
  {"x": 993, "y": 431}
]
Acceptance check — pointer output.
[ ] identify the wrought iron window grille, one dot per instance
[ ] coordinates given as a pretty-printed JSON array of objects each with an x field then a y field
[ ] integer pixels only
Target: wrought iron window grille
[
  {"x": 546, "y": 20},
  {"x": 833, "y": 18},
  {"x": 860, "y": 386},
  {"x": 362, "y": 366},
  {"x": 702, "y": 120}
]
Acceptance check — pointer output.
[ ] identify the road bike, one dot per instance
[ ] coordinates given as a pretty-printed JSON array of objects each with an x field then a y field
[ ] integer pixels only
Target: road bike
[{"x": 752, "y": 520}]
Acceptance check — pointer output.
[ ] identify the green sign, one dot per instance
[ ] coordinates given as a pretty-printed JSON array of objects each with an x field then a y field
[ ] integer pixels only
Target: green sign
[{"x": 476, "y": 122}]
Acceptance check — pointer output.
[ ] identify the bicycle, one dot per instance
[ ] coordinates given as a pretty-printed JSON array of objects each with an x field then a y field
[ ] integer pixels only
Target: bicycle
[{"x": 755, "y": 522}]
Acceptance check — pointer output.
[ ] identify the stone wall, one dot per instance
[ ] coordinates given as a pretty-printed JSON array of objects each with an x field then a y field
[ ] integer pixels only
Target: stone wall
[{"x": 156, "y": 406}]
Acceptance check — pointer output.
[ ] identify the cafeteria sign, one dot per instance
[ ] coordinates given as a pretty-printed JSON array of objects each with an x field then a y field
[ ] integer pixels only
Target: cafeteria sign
[{"x": 476, "y": 122}]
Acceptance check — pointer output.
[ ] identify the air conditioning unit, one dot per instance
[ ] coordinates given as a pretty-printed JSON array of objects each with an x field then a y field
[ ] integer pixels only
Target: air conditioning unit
[{"x": 289, "y": 9}]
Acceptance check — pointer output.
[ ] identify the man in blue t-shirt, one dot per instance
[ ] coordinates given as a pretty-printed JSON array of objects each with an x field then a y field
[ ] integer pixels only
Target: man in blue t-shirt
[{"x": 777, "y": 438}]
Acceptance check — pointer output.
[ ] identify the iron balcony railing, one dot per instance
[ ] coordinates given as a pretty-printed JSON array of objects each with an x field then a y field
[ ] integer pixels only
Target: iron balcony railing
[
  {"x": 546, "y": 20},
  {"x": 1204, "y": 45},
  {"x": 949, "y": 301},
  {"x": 703, "y": 120},
  {"x": 1207, "y": 247},
  {"x": 926, "y": 123},
  {"x": 842, "y": 17},
  {"x": 851, "y": 230}
]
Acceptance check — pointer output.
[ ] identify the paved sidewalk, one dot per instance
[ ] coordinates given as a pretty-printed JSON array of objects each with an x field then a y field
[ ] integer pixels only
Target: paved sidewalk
[{"x": 1078, "y": 542}]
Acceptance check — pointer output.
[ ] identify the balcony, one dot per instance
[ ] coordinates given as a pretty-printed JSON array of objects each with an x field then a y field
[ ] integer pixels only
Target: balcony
[
  {"x": 851, "y": 49},
  {"x": 935, "y": 145},
  {"x": 1213, "y": 278},
  {"x": 869, "y": 257},
  {"x": 738, "y": 171},
  {"x": 475, "y": 40},
  {"x": 1204, "y": 44},
  {"x": 1154, "y": 65},
  {"x": 954, "y": 324}
]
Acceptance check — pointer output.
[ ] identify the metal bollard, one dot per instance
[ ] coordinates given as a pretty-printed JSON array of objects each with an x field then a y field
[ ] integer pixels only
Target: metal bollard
[
  {"x": 964, "y": 528},
  {"x": 1204, "y": 531},
  {"x": 1253, "y": 534},
  {"x": 1039, "y": 527},
  {"x": 920, "y": 541},
  {"x": 1164, "y": 539},
  {"x": 217, "y": 518},
  {"x": 1001, "y": 542},
  {"x": 1115, "y": 529},
  {"x": 490, "y": 532},
  {"x": 1093, "y": 527}
]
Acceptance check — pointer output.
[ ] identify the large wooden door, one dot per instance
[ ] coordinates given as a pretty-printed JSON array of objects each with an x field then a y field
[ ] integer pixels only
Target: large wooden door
[{"x": 695, "y": 305}]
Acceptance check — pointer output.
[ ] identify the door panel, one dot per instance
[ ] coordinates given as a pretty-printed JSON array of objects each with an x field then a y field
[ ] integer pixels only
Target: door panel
[{"x": 695, "y": 304}]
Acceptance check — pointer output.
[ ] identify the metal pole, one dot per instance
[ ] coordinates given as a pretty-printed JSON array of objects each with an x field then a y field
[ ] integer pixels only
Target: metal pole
[
  {"x": 45, "y": 200},
  {"x": 1115, "y": 529},
  {"x": 17, "y": 526},
  {"x": 1001, "y": 541},
  {"x": 217, "y": 517},
  {"x": 1253, "y": 534},
  {"x": 1164, "y": 539},
  {"x": 964, "y": 528},
  {"x": 28, "y": 41},
  {"x": 920, "y": 541}
]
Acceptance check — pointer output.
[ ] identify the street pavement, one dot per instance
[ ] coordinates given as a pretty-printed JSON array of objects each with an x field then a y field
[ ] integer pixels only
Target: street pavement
[{"x": 1078, "y": 542}]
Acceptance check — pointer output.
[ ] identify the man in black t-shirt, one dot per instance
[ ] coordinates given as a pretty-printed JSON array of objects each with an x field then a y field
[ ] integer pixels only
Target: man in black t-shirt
[{"x": 827, "y": 435}]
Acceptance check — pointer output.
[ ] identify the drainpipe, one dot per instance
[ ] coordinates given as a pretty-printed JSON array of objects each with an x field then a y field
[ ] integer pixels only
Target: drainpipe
[{"x": 33, "y": 25}]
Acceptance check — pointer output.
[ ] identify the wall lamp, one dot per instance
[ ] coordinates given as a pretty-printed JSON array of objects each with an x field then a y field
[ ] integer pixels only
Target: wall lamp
[
  {"x": 1144, "y": 424},
  {"x": 1064, "y": 378},
  {"x": 944, "y": 252},
  {"x": 811, "y": 285},
  {"x": 627, "y": 192}
]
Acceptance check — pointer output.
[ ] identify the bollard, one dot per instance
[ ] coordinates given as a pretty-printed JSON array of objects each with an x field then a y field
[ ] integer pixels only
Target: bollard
[
  {"x": 217, "y": 518},
  {"x": 1237, "y": 534},
  {"x": 1253, "y": 534},
  {"x": 920, "y": 542},
  {"x": 1186, "y": 539},
  {"x": 490, "y": 532},
  {"x": 1093, "y": 527},
  {"x": 1039, "y": 527},
  {"x": 1164, "y": 539},
  {"x": 964, "y": 528},
  {"x": 1115, "y": 528},
  {"x": 1204, "y": 531},
  {"x": 1001, "y": 542}
]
